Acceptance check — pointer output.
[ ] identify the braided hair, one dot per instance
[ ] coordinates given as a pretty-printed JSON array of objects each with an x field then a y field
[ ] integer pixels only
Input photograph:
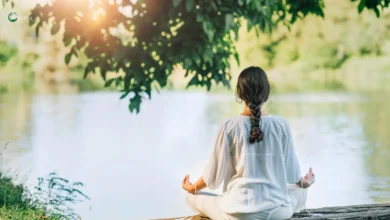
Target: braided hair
[{"x": 253, "y": 88}]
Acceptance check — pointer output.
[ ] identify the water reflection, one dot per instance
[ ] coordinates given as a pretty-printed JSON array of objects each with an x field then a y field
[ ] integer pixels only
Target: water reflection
[
  {"x": 15, "y": 118},
  {"x": 133, "y": 164},
  {"x": 377, "y": 161}
]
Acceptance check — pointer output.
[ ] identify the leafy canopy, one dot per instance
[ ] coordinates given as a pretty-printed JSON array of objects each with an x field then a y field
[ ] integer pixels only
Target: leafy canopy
[{"x": 142, "y": 40}]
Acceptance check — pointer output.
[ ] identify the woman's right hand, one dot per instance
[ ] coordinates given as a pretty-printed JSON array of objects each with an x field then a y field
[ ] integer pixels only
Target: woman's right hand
[{"x": 309, "y": 179}]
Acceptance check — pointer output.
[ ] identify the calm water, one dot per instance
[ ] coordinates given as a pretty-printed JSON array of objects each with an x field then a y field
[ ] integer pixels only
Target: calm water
[{"x": 133, "y": 165}]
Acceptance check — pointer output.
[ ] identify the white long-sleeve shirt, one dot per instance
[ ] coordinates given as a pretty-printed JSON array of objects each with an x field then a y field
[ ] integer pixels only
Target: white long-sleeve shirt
[{"x": 255, "y": 175}]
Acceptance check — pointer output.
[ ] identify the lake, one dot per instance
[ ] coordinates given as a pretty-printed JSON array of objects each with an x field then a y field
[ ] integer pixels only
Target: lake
[{"x": 133, "y": 165}]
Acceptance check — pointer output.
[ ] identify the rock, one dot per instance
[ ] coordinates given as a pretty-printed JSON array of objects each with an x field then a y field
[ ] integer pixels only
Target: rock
[{"x": 355, "y": 212}]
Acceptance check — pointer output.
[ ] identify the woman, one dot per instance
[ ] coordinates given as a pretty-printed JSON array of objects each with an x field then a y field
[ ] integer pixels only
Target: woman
[{"x": 254, "y": 156}]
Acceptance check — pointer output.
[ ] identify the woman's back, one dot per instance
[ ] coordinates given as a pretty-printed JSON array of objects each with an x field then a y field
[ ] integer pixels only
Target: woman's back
[
  {"x": 254, "y": 157},
  {"x": 256, "y": 175}
]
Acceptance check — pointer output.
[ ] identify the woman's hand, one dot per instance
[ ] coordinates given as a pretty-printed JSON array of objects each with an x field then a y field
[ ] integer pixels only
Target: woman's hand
[
  {"x": 309, "y": 178},
  {"x": 187, "y": 185}
]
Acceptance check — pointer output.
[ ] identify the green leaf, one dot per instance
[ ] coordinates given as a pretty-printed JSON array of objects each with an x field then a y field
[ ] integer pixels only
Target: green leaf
[
  {"x": 240, "y": 2},
  {"x": 205, "y": 26},
  {"x": 119, "y": 65},
  {"x": 236, "y": 56},
  {"x": 148, "y": 91},
  {"x": 229, "y": 21},
  {"x": 214, "y": 6},
  {"x": 67, "y": 58},
  {"x": 125, "y": 94},
  {"x": 208, "y": 29},
  {"x": 31, "y": 22},
  {"x": 39, "y": 25},
  {"x": 67, "y": 41},
  {"x": 74, "y": 51},
  {"x": 199, "y": 17},
  {"x": 187, "y": 62},
  {"x": 249, "y": 25},
  {"x": 55, "y": 28},
  {"x": 225, "y": 82},
  {"x": 257, "y": 31},
  {"x": 189, "y": 5},
  {"x": 86, "y": 71},
  {"x": 103, "y": 70},
  {"x": 193, "y": 81},
  {"x": 288, "y": 26},
  {"x": 176, "y": 3},
  {"x": 217, "y": 77},
  {"x": 361, "y": 5},
  {"x": 118, "y": 81},
  {"x": 376, "y": 10},
  {"x": 156, "y": 88},
  {"x": 109, "y": 82},
  {"x": 208, "y": 85},
  {"x": 293, "y": 19},
  {"x": 135, "y": 103},
  {"x": 385, "y": 4}
]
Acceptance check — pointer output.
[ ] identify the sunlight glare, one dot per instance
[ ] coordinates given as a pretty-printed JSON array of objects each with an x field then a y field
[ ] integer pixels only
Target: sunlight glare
[
  {"x": 97, "y": 13},
  {"x": 127, "y": 10},
  {"x": 41, "y": 2}
]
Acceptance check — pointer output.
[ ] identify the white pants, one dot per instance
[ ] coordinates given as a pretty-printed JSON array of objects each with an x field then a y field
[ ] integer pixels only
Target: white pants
[{"x": 207, "y": 204}]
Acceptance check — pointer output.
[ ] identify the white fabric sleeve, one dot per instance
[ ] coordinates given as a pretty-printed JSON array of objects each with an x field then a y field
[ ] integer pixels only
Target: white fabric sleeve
[
  {"x": 291, "y": 163},
  {"x": 219, "y": 162}
]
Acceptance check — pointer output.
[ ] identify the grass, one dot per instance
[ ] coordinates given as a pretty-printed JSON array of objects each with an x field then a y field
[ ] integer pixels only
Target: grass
[
  {"x": 14, "y": 204},
  {"x": 50, "y": 199},
  {"x": 17, "y": 213}
]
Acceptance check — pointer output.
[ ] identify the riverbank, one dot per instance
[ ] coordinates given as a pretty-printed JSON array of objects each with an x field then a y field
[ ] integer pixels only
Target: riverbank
[
  {"x": 357, "y": 74},
  {"x": 370, "y": 73}
]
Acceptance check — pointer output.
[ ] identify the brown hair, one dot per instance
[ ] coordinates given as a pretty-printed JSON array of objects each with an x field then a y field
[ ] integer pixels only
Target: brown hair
[{"x": 253, "y": 88}]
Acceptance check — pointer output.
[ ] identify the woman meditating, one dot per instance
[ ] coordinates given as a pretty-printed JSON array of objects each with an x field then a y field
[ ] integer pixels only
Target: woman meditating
[{"x": 255, "y": 158}]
